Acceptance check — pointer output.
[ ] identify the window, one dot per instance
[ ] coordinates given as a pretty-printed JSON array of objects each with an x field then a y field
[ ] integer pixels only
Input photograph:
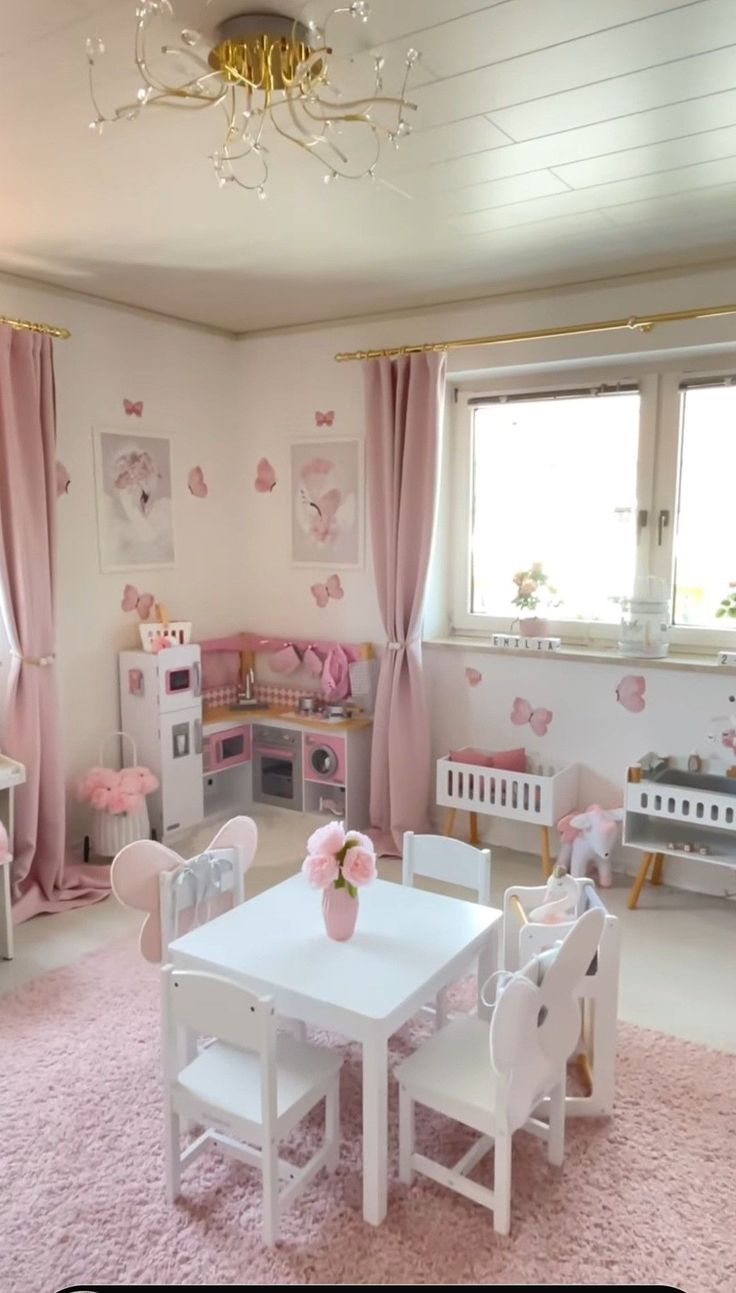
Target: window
[
  {"x": 555, "y": 480},
  {"x": 704, "y": 556},
  {"x": 599, "y": 483}
]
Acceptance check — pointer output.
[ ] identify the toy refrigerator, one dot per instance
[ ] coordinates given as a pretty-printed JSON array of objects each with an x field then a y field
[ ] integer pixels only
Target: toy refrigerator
[{"x": 161, "y": 708}]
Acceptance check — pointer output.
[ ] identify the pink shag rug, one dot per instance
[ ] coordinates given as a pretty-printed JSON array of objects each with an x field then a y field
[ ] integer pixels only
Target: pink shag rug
[{"x": 645, "y": 1199}]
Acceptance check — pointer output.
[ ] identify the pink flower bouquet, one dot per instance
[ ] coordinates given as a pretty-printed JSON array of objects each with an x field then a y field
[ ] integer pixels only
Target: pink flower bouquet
[{"x": 346, "y": 860}]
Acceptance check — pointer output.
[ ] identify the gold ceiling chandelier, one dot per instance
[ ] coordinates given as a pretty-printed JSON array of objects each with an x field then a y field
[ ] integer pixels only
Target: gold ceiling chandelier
[{"x": 271, "y": 76}]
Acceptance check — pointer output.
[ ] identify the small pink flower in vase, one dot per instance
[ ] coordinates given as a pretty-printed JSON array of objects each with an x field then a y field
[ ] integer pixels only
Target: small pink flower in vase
[{"x": 339, "y": 863}]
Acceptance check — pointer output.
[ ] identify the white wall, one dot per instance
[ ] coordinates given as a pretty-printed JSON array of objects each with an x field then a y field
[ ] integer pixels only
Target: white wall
[
  {"x": 287, "y": 376},
  {"x": 184, "y": 376}
]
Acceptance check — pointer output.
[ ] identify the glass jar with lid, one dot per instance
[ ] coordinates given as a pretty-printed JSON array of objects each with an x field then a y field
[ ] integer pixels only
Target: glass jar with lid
[{"x": 645, "y": 619}]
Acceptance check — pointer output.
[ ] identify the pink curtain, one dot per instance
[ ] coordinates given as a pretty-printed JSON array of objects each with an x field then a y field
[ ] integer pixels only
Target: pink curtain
[
  {"x": 404, "y": 403},
  {"x": 30, "y": 729}
]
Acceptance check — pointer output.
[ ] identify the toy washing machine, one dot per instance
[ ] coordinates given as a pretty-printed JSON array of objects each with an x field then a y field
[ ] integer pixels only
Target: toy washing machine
[{"x": 325, "y": 758}]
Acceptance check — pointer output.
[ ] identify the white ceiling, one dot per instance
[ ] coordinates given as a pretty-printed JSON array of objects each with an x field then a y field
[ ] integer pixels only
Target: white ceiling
[{"x": 555, "y": 140}]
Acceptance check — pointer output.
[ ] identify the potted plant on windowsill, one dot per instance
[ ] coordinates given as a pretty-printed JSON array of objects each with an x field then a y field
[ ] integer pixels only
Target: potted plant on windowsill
[{"x": 532, "y": 590}]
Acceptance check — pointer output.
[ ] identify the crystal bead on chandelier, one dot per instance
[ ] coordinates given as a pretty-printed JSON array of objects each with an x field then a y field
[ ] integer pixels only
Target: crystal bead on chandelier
[{"x": 265, "y": 70}]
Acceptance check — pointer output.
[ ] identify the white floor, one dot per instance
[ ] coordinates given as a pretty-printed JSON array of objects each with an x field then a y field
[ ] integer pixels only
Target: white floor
[{"x": 679, "y": 949}]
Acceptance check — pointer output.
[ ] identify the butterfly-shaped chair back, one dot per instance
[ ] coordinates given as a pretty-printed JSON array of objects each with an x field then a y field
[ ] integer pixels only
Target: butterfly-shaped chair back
[
  {"x": 536, "y": 1021},
  {"x": 176, "y": 894}
]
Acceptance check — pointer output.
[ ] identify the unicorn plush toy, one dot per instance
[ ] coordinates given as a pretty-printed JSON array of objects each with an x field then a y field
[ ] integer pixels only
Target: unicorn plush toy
[{"x": 588, "y": 840}]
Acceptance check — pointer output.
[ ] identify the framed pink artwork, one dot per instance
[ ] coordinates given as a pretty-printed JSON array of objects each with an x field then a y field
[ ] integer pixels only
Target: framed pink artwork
[{"x": 327, "y": 508}]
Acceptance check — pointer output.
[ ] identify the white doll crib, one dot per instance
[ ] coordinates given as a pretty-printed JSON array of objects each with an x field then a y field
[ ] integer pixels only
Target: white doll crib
[
  {"x": 535, "y": 798},
  {"x": 598, "y": 992}
]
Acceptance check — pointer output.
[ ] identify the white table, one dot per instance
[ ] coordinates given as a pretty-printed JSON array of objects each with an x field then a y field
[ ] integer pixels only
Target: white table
[{"x": 408, "y": 944}]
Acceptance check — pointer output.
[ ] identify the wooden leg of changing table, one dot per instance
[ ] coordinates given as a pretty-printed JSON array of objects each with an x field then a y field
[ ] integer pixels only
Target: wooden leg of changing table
[
  {"x": 638, "y": 884},
  {"x": 449, "y": 825},
  {"x": 546, "y": 855},
  {"x": 657, "y": 869},
  {"x": 474, "y": 836}
]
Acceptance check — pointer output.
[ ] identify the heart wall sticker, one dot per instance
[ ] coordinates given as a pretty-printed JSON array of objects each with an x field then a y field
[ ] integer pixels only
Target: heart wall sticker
[{"x": 473, "y": 677}]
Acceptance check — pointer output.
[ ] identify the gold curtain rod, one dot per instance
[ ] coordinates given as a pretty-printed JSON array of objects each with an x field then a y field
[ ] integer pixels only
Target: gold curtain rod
[
  {"x": 645, "y": 323},
  {"x": 25, "y": 325}
]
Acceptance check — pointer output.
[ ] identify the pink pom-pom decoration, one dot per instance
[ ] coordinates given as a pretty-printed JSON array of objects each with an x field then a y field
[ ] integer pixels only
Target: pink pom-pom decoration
[{"x": 117, "y": 792}]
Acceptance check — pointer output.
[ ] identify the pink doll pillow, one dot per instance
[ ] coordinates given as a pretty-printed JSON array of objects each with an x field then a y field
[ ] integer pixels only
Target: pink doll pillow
[{"x": 504, "y": 760}]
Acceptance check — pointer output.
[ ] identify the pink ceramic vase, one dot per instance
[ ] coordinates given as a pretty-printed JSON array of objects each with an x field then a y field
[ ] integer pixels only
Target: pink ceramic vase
[
  {"x": 533, "y": 627},
  {"x": 340, "y": 912}
]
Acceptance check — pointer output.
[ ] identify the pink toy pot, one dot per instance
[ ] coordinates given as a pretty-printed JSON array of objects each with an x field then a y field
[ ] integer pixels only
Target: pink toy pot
[
  {"x": 340, "y": 912},
  {"x": 533, "y": 627}
]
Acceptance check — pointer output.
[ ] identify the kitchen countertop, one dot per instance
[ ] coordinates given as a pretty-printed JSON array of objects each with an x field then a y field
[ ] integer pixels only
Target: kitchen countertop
[{"x": 220, "y": 714}]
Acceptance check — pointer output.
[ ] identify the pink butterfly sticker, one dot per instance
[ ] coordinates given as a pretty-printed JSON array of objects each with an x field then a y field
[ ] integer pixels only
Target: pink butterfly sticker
[
  {"x": 63, "y": 480},
  {"x": 135, "y": 601},
  {"x": 538, "y": 719},
  {"x": 630, "y": 693},
  {"x": 265, "y": 476},
  {"x": 473, "y": 677},
  {"x": 325, "y": 419},
  {"x": 133, "y": 408},
  {"x": 196, "y": 483},
  {"x": 323, "y": 592}
]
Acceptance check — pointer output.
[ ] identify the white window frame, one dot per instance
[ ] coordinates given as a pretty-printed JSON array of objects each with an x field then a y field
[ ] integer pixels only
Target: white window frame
[{"x": 657, "y": 485}]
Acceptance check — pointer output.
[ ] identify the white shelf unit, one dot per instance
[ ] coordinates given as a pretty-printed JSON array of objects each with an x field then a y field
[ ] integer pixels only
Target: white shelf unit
[
  {"x": 12, "y": 774},
  {"x": 530, "y": 797}
]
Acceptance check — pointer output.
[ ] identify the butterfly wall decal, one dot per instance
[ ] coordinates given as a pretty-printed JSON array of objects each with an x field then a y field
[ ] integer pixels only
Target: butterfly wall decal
[
  {"x": 325, "y": 419},
  {"x": 137, "y": 869},
  {"x": 196, "y": 483},
  {"x": 63, "y": 480},
  {"x": 630, "y": 693},
  {"x": 135, "y": 601},
  {"x": 323, "y": 592},
  {"x": 473, "y": 677},
  {"x": 133, "y": 408},
  {"x": 265, "y": 477},
  {"x": 538, "y": 719}
]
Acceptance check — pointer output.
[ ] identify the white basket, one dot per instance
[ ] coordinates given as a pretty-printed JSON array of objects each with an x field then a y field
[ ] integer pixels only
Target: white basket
[
  {"x": 177, "y": 632},
  {"x": 112, "y": 831}
]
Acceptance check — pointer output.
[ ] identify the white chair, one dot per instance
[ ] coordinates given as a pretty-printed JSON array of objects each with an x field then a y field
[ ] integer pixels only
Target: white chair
[
  {"x": 595, "y": 1058},
  {"x": 249, "y": 1088},
  {"x": 534, "y": 1027},
  {"x": 149, "y": 877},
  {"x": 438, "y": 857}
]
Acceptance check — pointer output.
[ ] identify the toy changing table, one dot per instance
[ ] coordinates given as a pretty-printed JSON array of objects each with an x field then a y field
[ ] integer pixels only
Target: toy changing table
[
  {"x": 12, "y": 774},
  {"x": 534, "y": 798},
  {"x": 672, "y": 811}
]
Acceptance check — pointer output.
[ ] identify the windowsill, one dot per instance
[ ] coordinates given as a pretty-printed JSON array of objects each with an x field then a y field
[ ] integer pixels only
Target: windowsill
[{"x": 599, "y": 654}]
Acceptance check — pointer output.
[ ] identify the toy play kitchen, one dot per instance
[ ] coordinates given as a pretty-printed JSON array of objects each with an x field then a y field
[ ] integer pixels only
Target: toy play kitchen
[{"x": 230, "y": 723}]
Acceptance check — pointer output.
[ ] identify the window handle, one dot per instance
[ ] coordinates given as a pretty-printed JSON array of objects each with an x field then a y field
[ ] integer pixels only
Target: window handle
[
  {"x": 662, "y": 520},
  {"x": 642, "y": 521}
]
